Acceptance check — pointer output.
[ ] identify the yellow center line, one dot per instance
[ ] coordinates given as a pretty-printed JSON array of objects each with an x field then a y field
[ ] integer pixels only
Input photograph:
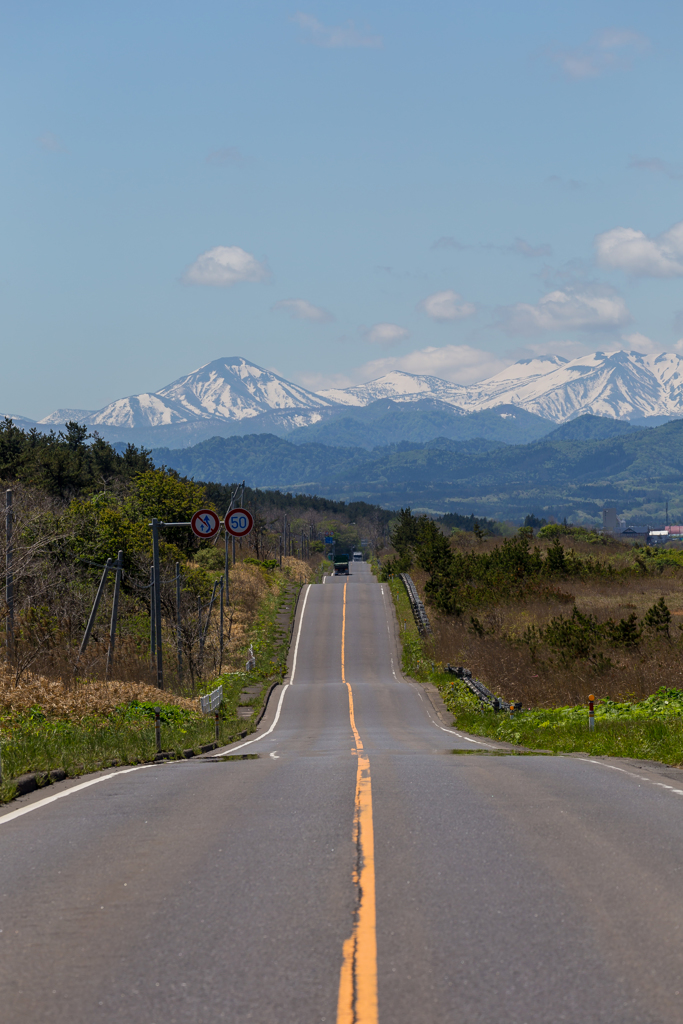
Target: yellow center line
[{"x": 357, "y": 1003}]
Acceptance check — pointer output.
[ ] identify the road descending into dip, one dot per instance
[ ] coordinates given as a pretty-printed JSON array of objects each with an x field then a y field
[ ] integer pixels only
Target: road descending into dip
[{"x": 353, "y": 869}]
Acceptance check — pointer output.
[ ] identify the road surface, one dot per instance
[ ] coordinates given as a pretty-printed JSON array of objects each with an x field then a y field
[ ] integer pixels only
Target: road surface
[{"x": 353, "y": 869}]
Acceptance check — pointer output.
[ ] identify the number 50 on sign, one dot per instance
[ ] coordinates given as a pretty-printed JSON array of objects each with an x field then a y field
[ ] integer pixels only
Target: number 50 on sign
[{"x": 239, "y": 522}]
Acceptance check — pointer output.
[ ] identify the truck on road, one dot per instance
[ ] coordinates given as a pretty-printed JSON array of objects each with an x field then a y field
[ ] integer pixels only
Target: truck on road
[{"x": 341, "y": 567}]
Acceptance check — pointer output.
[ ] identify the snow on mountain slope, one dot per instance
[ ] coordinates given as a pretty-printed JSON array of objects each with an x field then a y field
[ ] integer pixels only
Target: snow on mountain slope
[
  {"x": 228, "y": 391},
  {"x": 617, "y": 384},
  {"x": 225, "y": 389},
  {"x": 401, "y": 387}
]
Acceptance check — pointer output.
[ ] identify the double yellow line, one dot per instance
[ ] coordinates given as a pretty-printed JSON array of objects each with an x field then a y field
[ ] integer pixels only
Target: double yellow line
[{"x": 357, "y": 1003}]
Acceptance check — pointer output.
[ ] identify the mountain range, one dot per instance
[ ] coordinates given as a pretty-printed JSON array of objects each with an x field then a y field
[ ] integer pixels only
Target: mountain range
[
  {"x": 569, "y": 473},
  {"x": 233, "y": 396}
]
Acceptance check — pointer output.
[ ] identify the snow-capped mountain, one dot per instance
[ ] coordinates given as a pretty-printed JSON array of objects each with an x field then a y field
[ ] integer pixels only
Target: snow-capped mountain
[
  {"x": 622, "y": 385},
  {"x": 401, "y": 387},
  {"x": 225, "y": 389},
  {"x": 235, "y": 396}
]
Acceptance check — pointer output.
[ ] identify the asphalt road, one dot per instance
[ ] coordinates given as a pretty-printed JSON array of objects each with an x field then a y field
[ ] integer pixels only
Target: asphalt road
[{"x": 355, "y": 870}]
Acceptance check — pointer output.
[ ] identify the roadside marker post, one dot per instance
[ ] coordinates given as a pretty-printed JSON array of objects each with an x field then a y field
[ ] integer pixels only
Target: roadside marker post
[{"x": 591, "y": 712}]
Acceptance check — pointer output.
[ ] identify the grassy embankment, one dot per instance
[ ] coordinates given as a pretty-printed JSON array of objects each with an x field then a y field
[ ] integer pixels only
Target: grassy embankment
[
  {"x": 45, "y": 726},
  {"x": 648, "y": 728}
]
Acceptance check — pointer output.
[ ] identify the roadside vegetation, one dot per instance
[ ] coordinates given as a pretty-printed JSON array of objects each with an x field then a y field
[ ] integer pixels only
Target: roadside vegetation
[
  {"x": 546, "y": 621},
  {"x": 78, "y": 501}
]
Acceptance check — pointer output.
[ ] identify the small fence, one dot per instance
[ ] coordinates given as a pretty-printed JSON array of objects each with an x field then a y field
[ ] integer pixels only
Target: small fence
[
  {"x": 211, "y": 701},
  {"x": 418, "y": 609},
  {"x": 484, "y": 695}
]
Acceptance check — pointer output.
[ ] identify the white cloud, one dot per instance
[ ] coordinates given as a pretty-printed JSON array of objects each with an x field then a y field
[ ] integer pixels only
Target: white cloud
[
  {"x": 637, "y": 342},
  {"x": 459, "y": 363},
  {"x": 608, "y": 51},
  {"x": 633, "y": 252},
  {"x": 588, "y": 309},
  {"x": 300, "y": 309},
  {"x": 567, "y": 348},
  {"x": 223, "y": 157},
  {"x": 335, "y": 37},
  {"x": 386, "y": 334},
  {"x": 447, "y": 305},
  {"x": 224, "y": 266}
]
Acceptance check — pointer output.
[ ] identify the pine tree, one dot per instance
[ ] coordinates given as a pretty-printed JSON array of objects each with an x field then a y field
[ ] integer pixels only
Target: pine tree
[{"x": 658, "y": 618}]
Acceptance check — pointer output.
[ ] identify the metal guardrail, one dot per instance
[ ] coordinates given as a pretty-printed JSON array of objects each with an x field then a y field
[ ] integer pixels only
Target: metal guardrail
[
  {"x": 420, "y": 615},
  {"x": 476, "y": 687},
  {"x": 210, "y": 701}
]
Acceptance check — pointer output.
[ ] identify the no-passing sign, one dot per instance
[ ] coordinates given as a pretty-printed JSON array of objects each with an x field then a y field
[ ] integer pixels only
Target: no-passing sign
[
  {"x": 205, "y": 524},
  {"x": 239, "y": 522}
]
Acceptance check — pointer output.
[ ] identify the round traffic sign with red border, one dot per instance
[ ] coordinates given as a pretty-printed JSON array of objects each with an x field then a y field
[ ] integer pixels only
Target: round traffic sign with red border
[
  {"x": 239, "y": 522},
  {"x": 205, "y": 523}
]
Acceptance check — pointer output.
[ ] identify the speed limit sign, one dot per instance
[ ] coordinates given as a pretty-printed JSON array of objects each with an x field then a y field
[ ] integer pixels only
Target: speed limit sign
[
  {"x": 239, "y": 522},
  {"x": 205, "y": 523}
]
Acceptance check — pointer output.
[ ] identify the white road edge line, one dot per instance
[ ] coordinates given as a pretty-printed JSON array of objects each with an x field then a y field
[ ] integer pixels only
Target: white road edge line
[
  {"x": 643, "y": 778},
  {"x": 67, "y": 792},
  {"x": 246, "y": 743}
]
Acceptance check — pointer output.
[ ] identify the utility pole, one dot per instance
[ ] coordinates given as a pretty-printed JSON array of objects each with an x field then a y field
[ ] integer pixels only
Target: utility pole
[
  {"x": 9, "y": 578},
  {"x": 114, "y": 614},
  {"x": 157, "y": 601},
  {"x": 178, "y": 628},
  {"x": 220, "y": 661}
]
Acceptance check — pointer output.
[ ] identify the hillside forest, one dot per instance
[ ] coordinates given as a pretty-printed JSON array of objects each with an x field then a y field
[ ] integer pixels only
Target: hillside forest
[
  {"x": 572, "y": 473},
  {"x": 77, "y": 501}
]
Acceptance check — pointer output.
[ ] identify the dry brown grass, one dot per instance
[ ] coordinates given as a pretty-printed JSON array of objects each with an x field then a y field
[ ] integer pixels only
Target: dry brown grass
[
  {"x": 509, "y": 668},
  {"x": 52, "y": 683},
  {"x": 86, "y": 698}
]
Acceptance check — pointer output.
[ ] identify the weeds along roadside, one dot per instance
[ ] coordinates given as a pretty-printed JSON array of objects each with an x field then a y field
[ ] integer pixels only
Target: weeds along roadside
[
  {"x": 651, "y": 729},
  {"x": 33, "y": 741}
]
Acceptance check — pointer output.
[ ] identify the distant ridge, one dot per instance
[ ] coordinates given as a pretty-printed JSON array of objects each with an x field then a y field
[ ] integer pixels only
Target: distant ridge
[
  {"x": 617, "y": 384},
  {"x": 233, "y": 396}
]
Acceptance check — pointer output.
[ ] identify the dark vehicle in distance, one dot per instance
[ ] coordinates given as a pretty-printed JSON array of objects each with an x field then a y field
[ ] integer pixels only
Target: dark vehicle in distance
[{"x": 341, "y": 567}]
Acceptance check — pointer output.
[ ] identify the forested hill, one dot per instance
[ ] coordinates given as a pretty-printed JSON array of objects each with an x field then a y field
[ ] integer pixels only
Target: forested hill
[{"x": 637, "y": 471}]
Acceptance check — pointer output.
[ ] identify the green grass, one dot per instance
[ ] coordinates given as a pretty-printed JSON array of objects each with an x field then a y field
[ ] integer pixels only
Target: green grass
[
  {"x": 650, "y": 730},
  {"x": 33, "y": 743}
]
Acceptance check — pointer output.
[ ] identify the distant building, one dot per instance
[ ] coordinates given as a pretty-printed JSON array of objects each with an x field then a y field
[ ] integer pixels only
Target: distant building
[
  {"x": 610, "y": 520},
  {"x": 630, "y": 533}
]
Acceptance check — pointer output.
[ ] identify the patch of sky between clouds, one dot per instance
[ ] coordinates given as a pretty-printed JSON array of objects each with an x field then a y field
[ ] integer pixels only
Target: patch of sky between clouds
[
  {"x": 613, "y": 49},
  {"x": 301, "y": 309},
  {"x": 334, "y": 37}
]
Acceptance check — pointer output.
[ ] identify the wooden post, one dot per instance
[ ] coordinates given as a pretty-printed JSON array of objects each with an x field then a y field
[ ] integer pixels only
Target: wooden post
[
  {"x": 157, "y": 601},
  {"x": 178, "y": 620},
  {"x": 9, "y": 578},
  {"x": 114, "y": 614}
]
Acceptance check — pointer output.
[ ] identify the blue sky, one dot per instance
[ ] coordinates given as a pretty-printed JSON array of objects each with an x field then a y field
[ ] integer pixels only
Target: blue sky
[{"x": 333, "y": 189}]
